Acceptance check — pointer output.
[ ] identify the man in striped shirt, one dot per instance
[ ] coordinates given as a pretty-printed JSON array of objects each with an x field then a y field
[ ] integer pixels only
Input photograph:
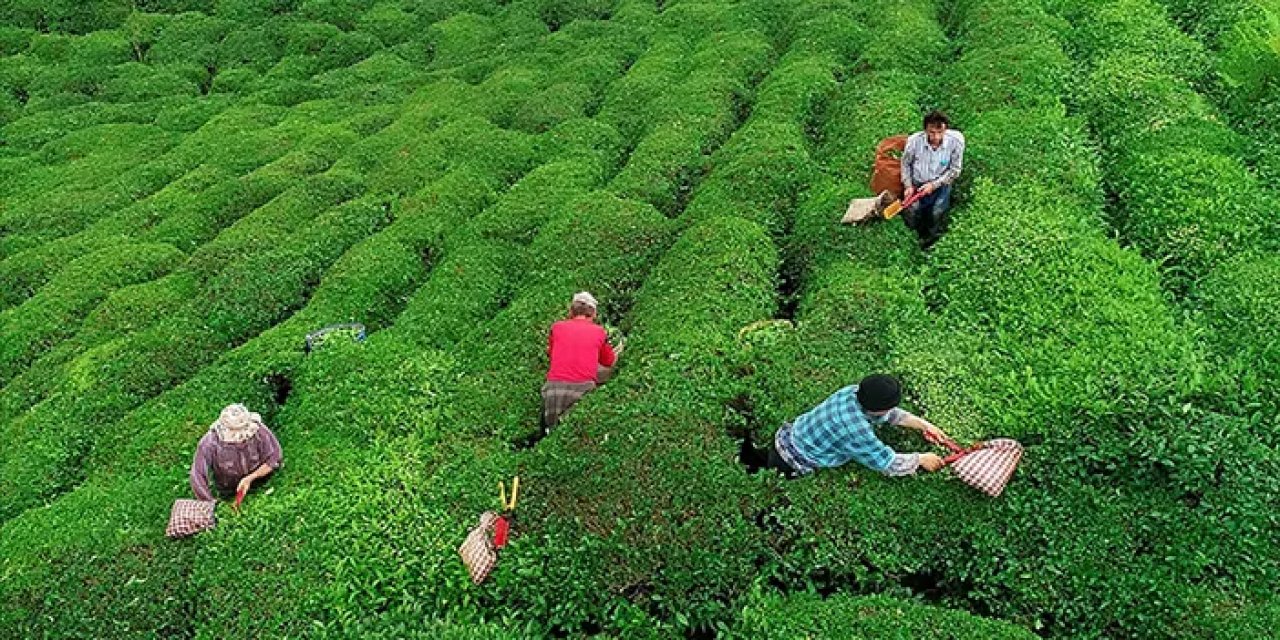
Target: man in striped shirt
[
  {"x": 841, "y": 429},
  {"x": 931, "y": 162}
]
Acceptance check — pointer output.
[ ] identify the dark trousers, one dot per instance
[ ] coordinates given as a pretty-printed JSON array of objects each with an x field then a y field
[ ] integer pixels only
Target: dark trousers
[
  {"x": 928, "y": 216},
  {"x": 767, "y": 458}
]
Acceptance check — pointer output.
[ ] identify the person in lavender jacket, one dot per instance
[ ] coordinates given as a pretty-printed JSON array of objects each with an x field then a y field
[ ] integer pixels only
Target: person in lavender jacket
[{"x": 238, "y": 449}]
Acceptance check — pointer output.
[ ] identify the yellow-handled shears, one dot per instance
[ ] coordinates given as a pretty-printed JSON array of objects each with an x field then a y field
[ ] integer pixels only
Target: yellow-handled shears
[{"x": 515, "y": 494}]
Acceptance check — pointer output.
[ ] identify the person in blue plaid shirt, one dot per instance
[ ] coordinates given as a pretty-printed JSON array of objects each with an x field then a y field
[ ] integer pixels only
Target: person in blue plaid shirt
[{"x": 841, "y": 429}]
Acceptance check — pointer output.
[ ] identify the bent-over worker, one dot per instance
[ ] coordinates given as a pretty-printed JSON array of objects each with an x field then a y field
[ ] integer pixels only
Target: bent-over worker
[
  {"x": 239, "y": 449},
  {"x": 839, "y": 430},
  {"x": 581, "y": 358}
]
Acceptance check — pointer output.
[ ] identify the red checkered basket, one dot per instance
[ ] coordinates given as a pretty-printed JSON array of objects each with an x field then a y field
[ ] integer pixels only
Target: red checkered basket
[
  {"x": 478, "y": 551},
  {"x": 986, "y": 466},
  {"x": 190, "y": 517}
]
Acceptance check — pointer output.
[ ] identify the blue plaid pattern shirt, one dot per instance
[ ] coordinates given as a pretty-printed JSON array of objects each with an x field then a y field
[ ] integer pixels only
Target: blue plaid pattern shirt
[{"x": 838, "y": 430}]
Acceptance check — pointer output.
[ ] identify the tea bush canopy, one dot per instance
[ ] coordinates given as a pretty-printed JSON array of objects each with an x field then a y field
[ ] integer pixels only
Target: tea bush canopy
[{"x": 191, "y": 188}]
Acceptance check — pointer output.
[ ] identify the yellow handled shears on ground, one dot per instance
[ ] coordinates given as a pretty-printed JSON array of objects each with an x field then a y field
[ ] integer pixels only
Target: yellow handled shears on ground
[
  {"x": 515, "y": 493},
  {"x": 502, "y": 526}
]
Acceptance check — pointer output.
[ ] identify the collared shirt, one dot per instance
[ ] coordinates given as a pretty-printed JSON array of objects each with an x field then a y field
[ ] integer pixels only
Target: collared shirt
[
  {"x": 839, "y": 430},
  {"x": 922, "y": 163},
  {"x": 577, "y": 348}
]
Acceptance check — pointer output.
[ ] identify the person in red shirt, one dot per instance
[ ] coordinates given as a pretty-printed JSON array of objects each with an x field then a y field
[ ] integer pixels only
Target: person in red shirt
[{"x": 581, "y": 359}]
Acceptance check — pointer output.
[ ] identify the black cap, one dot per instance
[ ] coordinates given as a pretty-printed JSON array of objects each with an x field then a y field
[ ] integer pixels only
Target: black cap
[{"x": 879, "y": 392}]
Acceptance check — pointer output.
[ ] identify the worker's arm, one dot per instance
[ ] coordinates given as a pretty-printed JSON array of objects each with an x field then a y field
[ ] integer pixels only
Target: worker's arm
[
  {"x": 905, "y": 464},
  {"x": 904, "y": 418},
  {"x": 271, "y": 455},
  {"x": 955, "y": 163},
  {"x": 908, "y": 159},
  {"x": 246, "y": 482},
  {"x": 607, "y": 356}
]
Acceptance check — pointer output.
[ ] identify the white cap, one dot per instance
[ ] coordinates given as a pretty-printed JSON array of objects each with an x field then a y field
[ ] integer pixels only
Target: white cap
[{"x": 585, "y": 298}]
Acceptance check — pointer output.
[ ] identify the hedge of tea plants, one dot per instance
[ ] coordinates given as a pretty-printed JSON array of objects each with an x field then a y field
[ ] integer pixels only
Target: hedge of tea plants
[
  {"x": 190, "y": 187},
  {"x": 1186, "y": 194}
]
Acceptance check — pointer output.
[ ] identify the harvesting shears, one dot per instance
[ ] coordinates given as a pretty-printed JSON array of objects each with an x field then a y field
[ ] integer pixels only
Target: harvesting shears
[
  {"x": 883, "y": 205},
  {"x": 502, "y": 527}
]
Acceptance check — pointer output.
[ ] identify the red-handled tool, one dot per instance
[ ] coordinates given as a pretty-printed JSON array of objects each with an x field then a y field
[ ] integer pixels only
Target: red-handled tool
[
  {"x": 895, "y": 208},
  {"x": 239, "y": 498},
  {"x": 957, "y": 451},
  {"x": 502, "y": 527}
]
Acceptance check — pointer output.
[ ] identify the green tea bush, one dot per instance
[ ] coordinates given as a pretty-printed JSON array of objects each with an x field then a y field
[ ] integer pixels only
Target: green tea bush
[
  {"x": 807, "y": 615},
  {"x": 1246, "y": 91},
  {"x": 187, "y": 115},
  {"x": 536, "y": 199},
  {"x": 583, "y": 139},
  {"x": 797, "y": 88},
  {"x": 914, "y": 22},
  {"x": 1191, "y": 208},
  {"x": 373, "y": 506},
  {"x": 559, "y": 13},
  {"x": 697, "y": 116},
  {"x": 184, "y": 221},
  {"x": 1186, "y": 205},
  {"x": 251, "y": 11},
  {"x": 175, "y": 6},
  {"x": 55, "y": 311},
  {"x": 1235, "y": 297},
  {"x": 65, "y": 16},
  {"x": 258, "y": 48},
  {"x": 1002, "y": 152},
  {"x": 14, "y": 40},
  {"x": 1140, "y": 27},
  {"x": 627, "y": 103},
  {"x": 1210, "y": 22},
  {"x": 77, "y": 596},
  {"x": 461, "y": 38},
  {"x": 553, "y": 105},
  {"x": 758, "y": 175},
  {"x": 341, "y": 13},
  {"x": 829, "y": 27},
  {"x": 390, "y": 23},
  {"x": 136, "y": 82},
  {"x": 250, "y": 294},
  {"x": 189, "y": 39}
]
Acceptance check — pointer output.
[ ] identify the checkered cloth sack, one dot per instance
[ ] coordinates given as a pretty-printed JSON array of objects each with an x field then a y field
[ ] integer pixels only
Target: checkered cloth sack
[
  {"x": 989, "y": 466},
  {"x": 477, "y": 551},
  {"x": 190, "y": 517}
]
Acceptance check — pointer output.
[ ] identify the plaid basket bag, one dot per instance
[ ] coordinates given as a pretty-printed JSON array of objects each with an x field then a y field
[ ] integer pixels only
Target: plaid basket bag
[
  {"x": 478, "y": 551},
  {"x": 190, "y": 517},
  {"x": 986, "y": 466}
]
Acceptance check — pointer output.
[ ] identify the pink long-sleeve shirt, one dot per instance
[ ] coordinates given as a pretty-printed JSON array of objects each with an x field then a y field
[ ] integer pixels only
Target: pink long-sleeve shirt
[{"x": 230, "y": 462}]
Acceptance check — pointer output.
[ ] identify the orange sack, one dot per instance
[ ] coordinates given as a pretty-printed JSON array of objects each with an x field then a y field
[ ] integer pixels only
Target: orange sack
[{"x": 887, "y": 174}]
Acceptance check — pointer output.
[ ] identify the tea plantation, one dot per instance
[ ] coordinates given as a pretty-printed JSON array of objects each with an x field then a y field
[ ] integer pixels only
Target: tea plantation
[{"x": 189, "y": 187}]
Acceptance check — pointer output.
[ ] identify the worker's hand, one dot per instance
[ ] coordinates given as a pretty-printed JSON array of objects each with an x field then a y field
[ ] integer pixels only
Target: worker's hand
[
  {"x": 930, "y": 462},
  {"x": 910, "y": 191},
  {"x": 622, "y": 345},
  {"x": 927, "y": 188},
  {"x": 244, "y": 485}
]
